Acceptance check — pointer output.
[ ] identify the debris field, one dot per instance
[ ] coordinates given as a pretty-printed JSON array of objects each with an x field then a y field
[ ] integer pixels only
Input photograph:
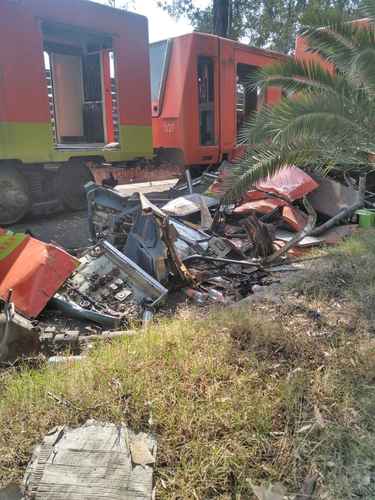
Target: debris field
[{"x": 149, "y": 253}]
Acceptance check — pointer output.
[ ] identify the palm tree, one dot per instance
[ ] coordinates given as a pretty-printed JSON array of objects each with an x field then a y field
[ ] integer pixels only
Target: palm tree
[{"x": 327, "y": 119}]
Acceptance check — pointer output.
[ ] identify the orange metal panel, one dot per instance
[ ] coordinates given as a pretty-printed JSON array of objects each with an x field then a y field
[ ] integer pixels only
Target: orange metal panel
[
  {"x": 302, "y": 53},
  {"x": 33, "y": 270},
  {"x": 228, "y": 97}
]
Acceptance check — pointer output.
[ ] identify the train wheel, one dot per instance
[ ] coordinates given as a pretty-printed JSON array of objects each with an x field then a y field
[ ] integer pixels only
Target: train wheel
[
  {"x": 15, "y": 199},
  {"x": 71, "y": 185}
]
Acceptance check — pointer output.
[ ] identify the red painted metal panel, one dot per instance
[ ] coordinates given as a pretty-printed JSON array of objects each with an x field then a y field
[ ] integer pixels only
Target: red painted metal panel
[
  {"x": 107, "y": 88},
  {"x": 290, "y": 182},
  {"x": 22, "y": 83},
  {"x": 33, "y": 270}
]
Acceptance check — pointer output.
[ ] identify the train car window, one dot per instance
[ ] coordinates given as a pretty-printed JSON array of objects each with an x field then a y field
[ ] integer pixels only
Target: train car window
[
  {"x": 248, "y": 98},
  {"x": 159, "y": 62},
  {"x": 206, "y": 100}
]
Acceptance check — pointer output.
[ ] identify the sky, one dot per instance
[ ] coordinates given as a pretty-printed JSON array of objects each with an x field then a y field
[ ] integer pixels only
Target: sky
[{"x": 161, "y": 25}]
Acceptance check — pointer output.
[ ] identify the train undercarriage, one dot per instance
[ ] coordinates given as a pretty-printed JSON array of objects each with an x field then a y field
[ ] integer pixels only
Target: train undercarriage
[{"x": 41, "y": 189}]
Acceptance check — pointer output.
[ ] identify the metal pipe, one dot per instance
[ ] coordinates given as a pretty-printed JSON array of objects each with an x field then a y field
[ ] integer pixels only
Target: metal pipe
[
  {"x": 224, "y": 261},
  {"x": 189, "y": 180}
]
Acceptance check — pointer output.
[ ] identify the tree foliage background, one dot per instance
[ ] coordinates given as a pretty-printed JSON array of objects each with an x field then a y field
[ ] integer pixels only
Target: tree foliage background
[{"x": 262, "y": 23}]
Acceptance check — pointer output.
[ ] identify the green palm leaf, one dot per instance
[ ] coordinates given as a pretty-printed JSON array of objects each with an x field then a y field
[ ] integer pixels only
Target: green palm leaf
[{"x": 326, "y": 122}]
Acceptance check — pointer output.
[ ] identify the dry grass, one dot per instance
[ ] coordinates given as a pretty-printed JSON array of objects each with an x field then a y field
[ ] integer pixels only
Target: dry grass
[
  {"x": 275, "y": 394},
  {"x": 346, "y": 274}
]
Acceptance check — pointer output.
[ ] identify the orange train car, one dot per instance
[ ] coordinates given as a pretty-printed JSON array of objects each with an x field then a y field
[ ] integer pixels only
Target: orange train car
[
  {"x": 75, "y": 101},
  {"x": 198, "y": 96}
]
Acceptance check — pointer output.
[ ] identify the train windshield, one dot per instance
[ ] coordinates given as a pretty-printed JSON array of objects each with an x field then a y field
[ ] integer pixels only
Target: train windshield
[{"x": 159, "y": 60}]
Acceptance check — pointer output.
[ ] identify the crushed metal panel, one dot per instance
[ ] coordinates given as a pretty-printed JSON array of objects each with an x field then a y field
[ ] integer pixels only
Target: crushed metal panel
[
  {"x": 144, "y": 286},
  {"x": 331, "y": 197},
  {"x": 219, "y": 247},
  {"x": 191, "y": 235},
  {"x": 290, "y": 183},
  {"x": 18, "y": 336},
  {"x": 95, "y": 461},
  {"x": 294, "y": 217},
  {"x": 189, "y": 204},
  {"x": 109, "y": 212},
  {"x": 308, "y": 241},
  {"x": 146, "y": 247},
  {"x": 33, "y": 270},
  {"x": 263, "y": 206}
]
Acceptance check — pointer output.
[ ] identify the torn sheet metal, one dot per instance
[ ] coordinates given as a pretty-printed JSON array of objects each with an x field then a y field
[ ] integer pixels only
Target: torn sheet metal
[
  {"x": 189, "y": 205},
  {"x": 331, "y": 197},
  {"x": 146, "y": 247},
  {"x": 192, "y": 236},
  {"x": 18, "y": 335},
  {"x": 92, "y": 461},
  {"x": 290, "y": 183},
  {"x": 158, "y": 254},
  {"x": 294, "y": 217},
  {"x": 33, "y": 270},
  {"x": 220, "y": 247},
  {"x": 263, "y": 206},
  {"x": 109, "y": 213},
  {"x": 308, "y": 241},
  {"x": 74, "y": 310}
]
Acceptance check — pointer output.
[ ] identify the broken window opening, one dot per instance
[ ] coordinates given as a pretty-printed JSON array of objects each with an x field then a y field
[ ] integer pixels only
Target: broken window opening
[
  {"x": 159, "y": 62},
  {"x": 206, "y": 100},
  {"x": 248, "y": 98},
  {"x": 51, "y": 103},
  {"x": 115, "y": 118},
  {"x": 82, "y": 89}
]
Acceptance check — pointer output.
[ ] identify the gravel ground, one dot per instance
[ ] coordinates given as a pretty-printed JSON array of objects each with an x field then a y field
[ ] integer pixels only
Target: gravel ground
[{"x": 70, "y": 229}]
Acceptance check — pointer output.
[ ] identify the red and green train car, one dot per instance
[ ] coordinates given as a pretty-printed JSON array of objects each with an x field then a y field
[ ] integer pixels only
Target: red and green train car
[{"x": 74, "y": 94}]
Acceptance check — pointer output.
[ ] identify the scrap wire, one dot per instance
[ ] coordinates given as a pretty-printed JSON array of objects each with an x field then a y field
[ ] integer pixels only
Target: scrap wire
[{"x": 223, "y": 260}]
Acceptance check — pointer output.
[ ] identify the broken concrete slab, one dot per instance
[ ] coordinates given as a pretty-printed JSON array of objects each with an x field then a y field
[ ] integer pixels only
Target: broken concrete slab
[{"x": 95, "y": 461}]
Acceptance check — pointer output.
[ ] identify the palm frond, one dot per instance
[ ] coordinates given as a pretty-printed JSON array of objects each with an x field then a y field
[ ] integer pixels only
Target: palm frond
[
  {"x": 297, "y": 76},
  {"x": 307, "y": 116},
  {"x": 367, "y": 9},
  {"x": 327, "y": 120}
]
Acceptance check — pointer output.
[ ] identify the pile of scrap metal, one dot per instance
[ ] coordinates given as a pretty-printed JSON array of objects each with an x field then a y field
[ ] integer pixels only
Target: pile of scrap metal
[
  {"x": 103, "y": 288},
  {"x": 189, "y": 246},
  {"x": 211, "y": 251},
  {"x": 198, "y": 259},
  {"x": 295, "y": 202}
]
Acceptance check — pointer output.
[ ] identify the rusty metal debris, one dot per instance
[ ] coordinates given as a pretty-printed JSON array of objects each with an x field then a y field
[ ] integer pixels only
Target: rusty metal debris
[{"x": 18, "y": 335}]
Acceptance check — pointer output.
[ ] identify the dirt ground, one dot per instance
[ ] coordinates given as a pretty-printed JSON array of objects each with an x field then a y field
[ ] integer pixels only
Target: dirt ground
[{"x": 70, "y": 229}]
